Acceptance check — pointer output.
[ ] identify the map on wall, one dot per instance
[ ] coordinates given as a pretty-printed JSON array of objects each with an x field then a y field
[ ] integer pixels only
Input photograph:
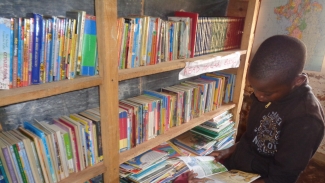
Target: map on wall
[{"x": 303, "y": 19}]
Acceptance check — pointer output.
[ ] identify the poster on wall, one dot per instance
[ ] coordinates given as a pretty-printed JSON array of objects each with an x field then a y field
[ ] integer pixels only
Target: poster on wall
[{"x": 303, "y": 19}]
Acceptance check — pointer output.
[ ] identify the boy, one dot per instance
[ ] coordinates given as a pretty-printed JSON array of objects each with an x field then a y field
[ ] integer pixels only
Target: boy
[{"x": 285, "y": 122}]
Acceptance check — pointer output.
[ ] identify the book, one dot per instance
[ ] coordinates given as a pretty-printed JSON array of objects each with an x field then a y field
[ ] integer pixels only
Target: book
[
  {"x": 233, "y": 176},
  {"x": 203, "y": 166},
  {"x": 194, "y": 20},
  {"x": 79, "y": 16},
  {"x": 5, "y": 52},
  {"x": 64, "y": 130},
  {"x": 37, "y": 37},
  {"x": 147, "y": 158},
  {"x": 41, "y": 135},
  {"x": 39, "y": 155},
  {"x": 89, "y": 48}
]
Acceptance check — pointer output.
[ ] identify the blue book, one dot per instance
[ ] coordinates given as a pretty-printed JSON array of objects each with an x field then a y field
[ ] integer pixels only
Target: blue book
[
  {"x": 3, "y": 175},
  {"x": 5, "y": 52},
  {"x": 135, "y": 42},
  {"x": 48, "y": 50},
  {"x": 20, "y": 53},
  {"x": 149, "y": 43},
  {"x": 171, "y": 40},
  {"x": 37, "y": 46},
  {"x": 11, "y": 68},
  {"x": 138, "y": 43},
  {"x": 41, "y": 135}
]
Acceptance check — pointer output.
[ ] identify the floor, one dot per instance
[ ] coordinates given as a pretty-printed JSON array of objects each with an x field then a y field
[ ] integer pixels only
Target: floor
[{"x": 314, "y": 173}]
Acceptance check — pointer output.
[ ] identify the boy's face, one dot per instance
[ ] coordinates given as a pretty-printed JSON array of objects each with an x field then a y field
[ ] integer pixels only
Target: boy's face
[{"x": 269, "y": 90}]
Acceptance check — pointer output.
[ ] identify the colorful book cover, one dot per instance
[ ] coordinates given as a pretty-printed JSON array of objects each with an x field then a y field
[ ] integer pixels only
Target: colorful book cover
[
  {"x": 194, "y": 20},
  {"x": 41, "y": 135},
  {"x": 89, "y": 134},
  {"x": 80, "y": 17},
  {"x": 14, "y": 51},
  {"x": 20, "y": 56},
  {"x": 88, "y": 58},
  {"x": 5, "y": 52},
  {"x": 123, "y": 129},
  {"x": 3, "y": 175},
  {"x": 37, "y": 38},
  {"x": 166, "y": 147},
  {"x": 146, "y": 159}
]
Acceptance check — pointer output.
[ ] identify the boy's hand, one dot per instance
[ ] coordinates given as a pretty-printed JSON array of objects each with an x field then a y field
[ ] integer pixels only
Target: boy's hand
[
  {"x": 223, "y": 154},
  {"x": 191, "y": 178}
]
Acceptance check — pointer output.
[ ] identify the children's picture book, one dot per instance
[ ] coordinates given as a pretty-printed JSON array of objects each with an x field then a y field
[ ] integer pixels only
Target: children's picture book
[
  {"x": 203, "y": 166},
  {"x": 232, "y": 176}
]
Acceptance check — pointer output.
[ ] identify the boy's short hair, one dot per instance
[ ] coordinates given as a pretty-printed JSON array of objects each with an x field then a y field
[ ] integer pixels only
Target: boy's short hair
[{"x": 279, "y": 55}]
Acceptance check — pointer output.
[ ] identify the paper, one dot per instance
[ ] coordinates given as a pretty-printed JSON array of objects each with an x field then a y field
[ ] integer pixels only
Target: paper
[
  {"x": 210, "y": 65},
  {"x": 203, "y": 165}
]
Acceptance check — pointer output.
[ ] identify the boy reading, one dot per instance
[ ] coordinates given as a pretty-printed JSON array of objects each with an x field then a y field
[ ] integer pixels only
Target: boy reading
[{"x": 285, "y": 122}]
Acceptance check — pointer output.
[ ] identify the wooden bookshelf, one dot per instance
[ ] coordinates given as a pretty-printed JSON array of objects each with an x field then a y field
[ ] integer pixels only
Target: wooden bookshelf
[
  {"x": 33, "y": 92},
  {"x": 173, "y": 132},
  {"x": 125, "y": 74},
  {"x": 85, "y": 174}
]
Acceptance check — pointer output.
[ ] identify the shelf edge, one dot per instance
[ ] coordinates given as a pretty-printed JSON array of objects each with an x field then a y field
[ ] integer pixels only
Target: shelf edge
[
  {"x": 33, "y": 92},
  {"x": 125, "y": 74}
]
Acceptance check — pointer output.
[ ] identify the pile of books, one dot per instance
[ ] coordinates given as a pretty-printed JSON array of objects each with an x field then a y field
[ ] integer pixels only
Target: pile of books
[
  {"x": 159, "y": 164},
  {"x": 216, "y": 134},
  {"x": 51, "y": 151},
  {"x": 145, "y": 40},
  {"x": 39, "y": 49},
  {"x": 153, "y": 113}
]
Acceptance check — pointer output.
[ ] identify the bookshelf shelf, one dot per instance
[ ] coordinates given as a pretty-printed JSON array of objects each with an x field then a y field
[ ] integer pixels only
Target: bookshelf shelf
[
  {"x": 173, "y": 132},
  {"x": 85, "y": 174},
  {"x": 33, "y": 92},
  {"x": 125, "y": 74}
]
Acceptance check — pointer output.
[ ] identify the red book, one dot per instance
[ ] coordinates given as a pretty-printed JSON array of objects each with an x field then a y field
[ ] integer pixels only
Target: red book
[
  {"x": 123, "y": 129},
  {"x": 194, "y": 18}
]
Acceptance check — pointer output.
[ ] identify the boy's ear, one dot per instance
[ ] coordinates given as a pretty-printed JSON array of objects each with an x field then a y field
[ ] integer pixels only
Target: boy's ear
[{"x": 300, "y": 79}]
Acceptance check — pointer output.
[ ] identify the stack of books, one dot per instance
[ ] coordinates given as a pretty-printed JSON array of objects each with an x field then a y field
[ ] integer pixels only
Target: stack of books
[
  {"x": 146, "y": 40},
  {"x": 42, "y": 48},
  {"x": 143, "y": 117},
  {"x": 51, "y": 151}
]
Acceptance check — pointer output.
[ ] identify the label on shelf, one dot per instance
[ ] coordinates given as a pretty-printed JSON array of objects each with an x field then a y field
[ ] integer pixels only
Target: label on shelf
[{"x": 209, "y": 65}]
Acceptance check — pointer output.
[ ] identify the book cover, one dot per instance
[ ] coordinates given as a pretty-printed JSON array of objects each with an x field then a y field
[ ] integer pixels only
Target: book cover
[
  {"x": 233, "y": 176},
  {"x": 194, "y": 20},
  {"x": 29, "y": 153},
  {"x": 5, "y": 52},
  {"x": 146, "y": 159},
  {"x": 80, "y": 27},
  {"x": 7, "y": 163},
  {"x": 89, "y": 48},
  {"x": 123, "y": 129},
  {"x": 38, "y": 154},
  {"x": 37, "y": 37},
  {"x": 64, "y": 130},
  {"x": 89, "y": 136},
  {"x": 41, "y": 135}
]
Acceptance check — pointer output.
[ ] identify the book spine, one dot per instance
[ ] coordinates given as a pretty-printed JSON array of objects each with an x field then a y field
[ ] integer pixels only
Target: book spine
[
  {"x": 20, "y": 53},
  {"x": 26, "y": 165},
  {"x": 43, "y": 61},
  {"x": 30, "y": 51},
  {"x": 30, "y": 127},
  {"x": 10, "y": 165},
  {"x": 36, "y": 48},
  {"x": 88, "y": 59},
  {"x": 72, "y": 57},
  {"x": 19, "y": 163},
  {"x": 68, "y": 151},
  {"x": 48, "y": 50},
  {"x": 37, "y": 162},
  {"x": 99, "y": 140},
  {"x": 3, "y": 173},
  {"x": 5, "y": 28},
  {"x": 14, "y": 50}
]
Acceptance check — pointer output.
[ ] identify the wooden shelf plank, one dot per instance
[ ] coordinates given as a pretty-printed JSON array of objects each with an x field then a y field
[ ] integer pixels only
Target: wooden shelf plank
[
  {"x": 125, "y": 74},
  {"x": 85, "y": 174},
  {"x": 173, "y": 132},
  {"x": 33, "y": 92}
]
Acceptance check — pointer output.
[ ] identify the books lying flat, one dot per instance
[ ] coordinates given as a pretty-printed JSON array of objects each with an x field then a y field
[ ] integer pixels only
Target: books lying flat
[{"x": 233, "y": 176}]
